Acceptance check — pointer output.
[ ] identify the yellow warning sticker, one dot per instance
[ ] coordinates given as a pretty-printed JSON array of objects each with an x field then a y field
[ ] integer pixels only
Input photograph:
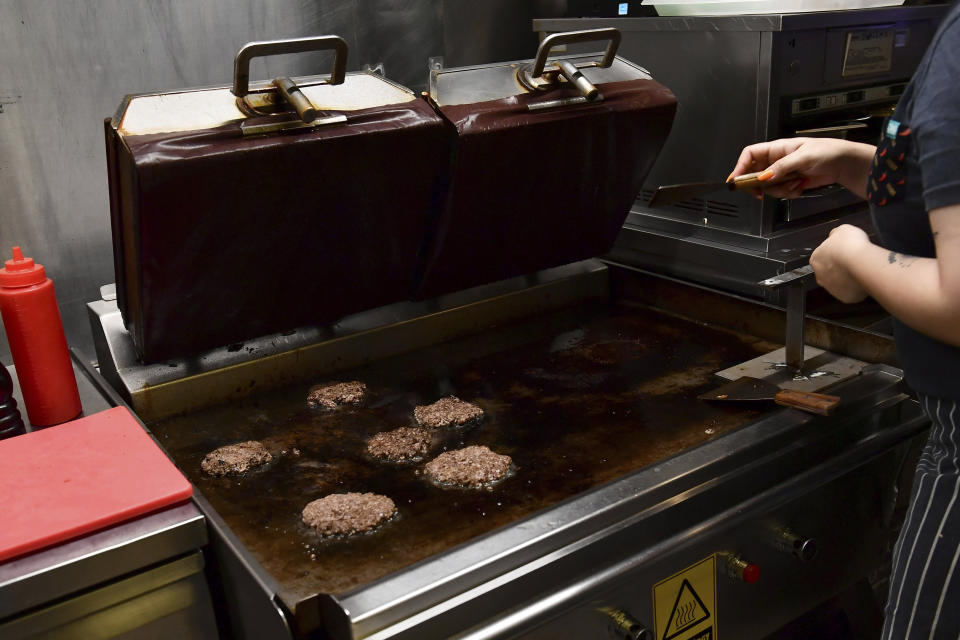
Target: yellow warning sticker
[{"x": 685, "y": 604}]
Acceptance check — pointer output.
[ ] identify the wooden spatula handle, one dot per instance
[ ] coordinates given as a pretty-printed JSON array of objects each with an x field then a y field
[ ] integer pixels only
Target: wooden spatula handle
[
  {"x": 749, "y": 181},
  {"x": 746, "y": 181},
  {"x": 818, "y": 403}
]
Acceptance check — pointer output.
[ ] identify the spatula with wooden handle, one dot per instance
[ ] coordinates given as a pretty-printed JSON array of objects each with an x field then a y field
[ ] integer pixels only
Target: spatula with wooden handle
[
  {"x": 747, "y": 389},
  {"x": 673, "y": 193}
]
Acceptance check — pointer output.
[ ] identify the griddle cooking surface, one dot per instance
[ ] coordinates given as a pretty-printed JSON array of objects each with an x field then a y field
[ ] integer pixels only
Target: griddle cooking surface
[{"x": 578, "y": 398}]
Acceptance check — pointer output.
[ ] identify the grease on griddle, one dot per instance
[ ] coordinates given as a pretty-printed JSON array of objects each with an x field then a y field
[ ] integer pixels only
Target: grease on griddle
[
  {"x": 474, "y": 467},
  {"x": 562, "y": 443},
  {"x": 399, "y": 445},
  {"x": 447, "y": 412},
  {"x": 334, "y": 394},
  {"x": 344, "y": 514},
  {"x": 235, "y": 459}
]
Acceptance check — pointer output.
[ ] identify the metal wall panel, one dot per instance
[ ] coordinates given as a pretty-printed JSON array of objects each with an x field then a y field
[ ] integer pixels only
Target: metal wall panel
[
  {"x": 67, "y": 64},
  {"x": 499, "y": 32},
  {"x": 402, "y": 34}
]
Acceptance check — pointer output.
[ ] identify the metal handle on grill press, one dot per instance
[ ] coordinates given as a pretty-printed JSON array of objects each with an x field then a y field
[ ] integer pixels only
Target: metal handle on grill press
[
  {"x": 534, "y": 75},
  {"x": 287, "y": 88},
  {"x": 796, "y": 312}
]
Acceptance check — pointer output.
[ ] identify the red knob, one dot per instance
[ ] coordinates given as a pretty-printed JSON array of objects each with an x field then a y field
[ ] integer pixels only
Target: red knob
[
  {"x": 739, "y": 569},
  {"x": 751, "y": 573}
]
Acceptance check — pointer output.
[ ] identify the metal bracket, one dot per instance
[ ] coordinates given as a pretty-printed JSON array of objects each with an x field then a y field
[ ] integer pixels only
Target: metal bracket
[
  {"x": 290, "y": 124},
  {"x": 284, "y": 94},
  {"x": 376, "y": 68},
  {"x": 795, "y": 282},
  {"x": 537, "y": 77}
]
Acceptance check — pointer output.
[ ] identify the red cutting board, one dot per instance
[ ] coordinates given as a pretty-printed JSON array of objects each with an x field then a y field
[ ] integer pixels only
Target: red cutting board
[{"x": 74, "y": 478}]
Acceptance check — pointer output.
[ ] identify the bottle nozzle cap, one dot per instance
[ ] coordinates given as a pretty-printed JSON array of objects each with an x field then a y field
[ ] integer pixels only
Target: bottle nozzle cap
[
  {"x": 21, "y": 271},
  {"x": 19, "y": 263}
]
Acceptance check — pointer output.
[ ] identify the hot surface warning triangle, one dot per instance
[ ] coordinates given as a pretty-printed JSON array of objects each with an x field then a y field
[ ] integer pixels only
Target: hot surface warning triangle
[{"x": 688, "y": 610}]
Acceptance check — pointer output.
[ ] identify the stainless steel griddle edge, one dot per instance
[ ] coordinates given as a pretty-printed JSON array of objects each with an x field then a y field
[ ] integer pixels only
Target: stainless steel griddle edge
[
  {"x": 532, "y": 614},
  {"x": 773, "y": 445},
  {"x": 155, "y": 391},
  {"x": 529, "y": 562},
  {"x": 242, "y": 577}
]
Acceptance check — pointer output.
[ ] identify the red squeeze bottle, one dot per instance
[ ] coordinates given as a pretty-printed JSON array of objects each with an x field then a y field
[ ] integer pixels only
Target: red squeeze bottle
[{"x": 39, "y": 347}]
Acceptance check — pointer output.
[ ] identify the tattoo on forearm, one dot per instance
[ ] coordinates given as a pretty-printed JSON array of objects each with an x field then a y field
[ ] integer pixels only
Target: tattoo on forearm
[{"x": 902, "y": 259}]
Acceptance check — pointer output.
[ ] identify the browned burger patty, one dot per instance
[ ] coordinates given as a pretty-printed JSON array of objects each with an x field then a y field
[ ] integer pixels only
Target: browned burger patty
[
  {"x": 341, "y": 514},
  {"x": 468, "y": 467},
  {"x": 405, "y": 443},
  {"x": 234, "y": 459},
  {"x": 333, "y": 394},
  {"x": 447, "y": 412}
]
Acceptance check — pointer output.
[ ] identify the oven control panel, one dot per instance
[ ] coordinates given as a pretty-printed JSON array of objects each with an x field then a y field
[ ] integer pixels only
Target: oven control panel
[{"x": 840, "y": 99}]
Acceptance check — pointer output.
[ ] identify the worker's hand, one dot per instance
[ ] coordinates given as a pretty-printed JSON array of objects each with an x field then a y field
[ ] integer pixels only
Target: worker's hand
[
  {"x": 814, "y": 162},
  {"x": 831, "y": 259}
]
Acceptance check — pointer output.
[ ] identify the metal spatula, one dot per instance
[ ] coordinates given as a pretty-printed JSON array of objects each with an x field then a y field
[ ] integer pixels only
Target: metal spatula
[
  {"x": 747, "y": 389},
  {"x": 673, "y": 193}
]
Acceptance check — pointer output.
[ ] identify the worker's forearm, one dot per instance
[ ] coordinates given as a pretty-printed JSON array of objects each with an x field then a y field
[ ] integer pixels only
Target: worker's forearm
[
  {"x": 910, "y": 289},
  {"x": 855, "y": 167}
]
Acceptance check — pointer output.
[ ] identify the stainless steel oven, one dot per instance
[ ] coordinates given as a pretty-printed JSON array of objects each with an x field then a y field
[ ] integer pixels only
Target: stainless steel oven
[{"x": 743, "y": 79}]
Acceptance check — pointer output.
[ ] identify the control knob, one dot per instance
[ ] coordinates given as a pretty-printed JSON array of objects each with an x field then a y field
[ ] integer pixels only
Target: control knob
[
  {"x": 623, "y": 626},
  {"x": 804, "y": 549}
]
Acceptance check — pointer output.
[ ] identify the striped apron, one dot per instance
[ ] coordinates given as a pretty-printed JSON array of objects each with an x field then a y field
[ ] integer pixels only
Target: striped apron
[{"x": 924, "y": 600}]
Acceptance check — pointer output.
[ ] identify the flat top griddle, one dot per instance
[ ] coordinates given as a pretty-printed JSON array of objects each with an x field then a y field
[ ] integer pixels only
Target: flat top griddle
[{"x": 577, "y": 398}]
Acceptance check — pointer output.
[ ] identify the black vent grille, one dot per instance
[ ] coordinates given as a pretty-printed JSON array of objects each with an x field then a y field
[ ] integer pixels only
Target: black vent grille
[
  {"x": 723, "y": 209},
  {"x": 699, "y": 205}
]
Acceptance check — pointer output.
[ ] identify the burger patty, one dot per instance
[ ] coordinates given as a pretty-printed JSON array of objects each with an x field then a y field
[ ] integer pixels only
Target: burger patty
[
  {"x": 405, "y": 443},
  {"x": 334, "y": 394},
  {"x": 348, "y": 513},
  {"x": 473, "y": 466},
  {"x": 235, "y": 459},
  {"x": 447, "y": 412}
]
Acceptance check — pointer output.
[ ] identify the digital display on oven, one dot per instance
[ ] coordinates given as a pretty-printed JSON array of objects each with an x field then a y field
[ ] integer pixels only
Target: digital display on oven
[{"x": 868, "y": 51}]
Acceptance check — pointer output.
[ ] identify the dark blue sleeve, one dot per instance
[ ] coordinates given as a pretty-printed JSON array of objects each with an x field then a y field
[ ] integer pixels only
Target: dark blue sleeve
[{"x": 935, "y": 120}]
